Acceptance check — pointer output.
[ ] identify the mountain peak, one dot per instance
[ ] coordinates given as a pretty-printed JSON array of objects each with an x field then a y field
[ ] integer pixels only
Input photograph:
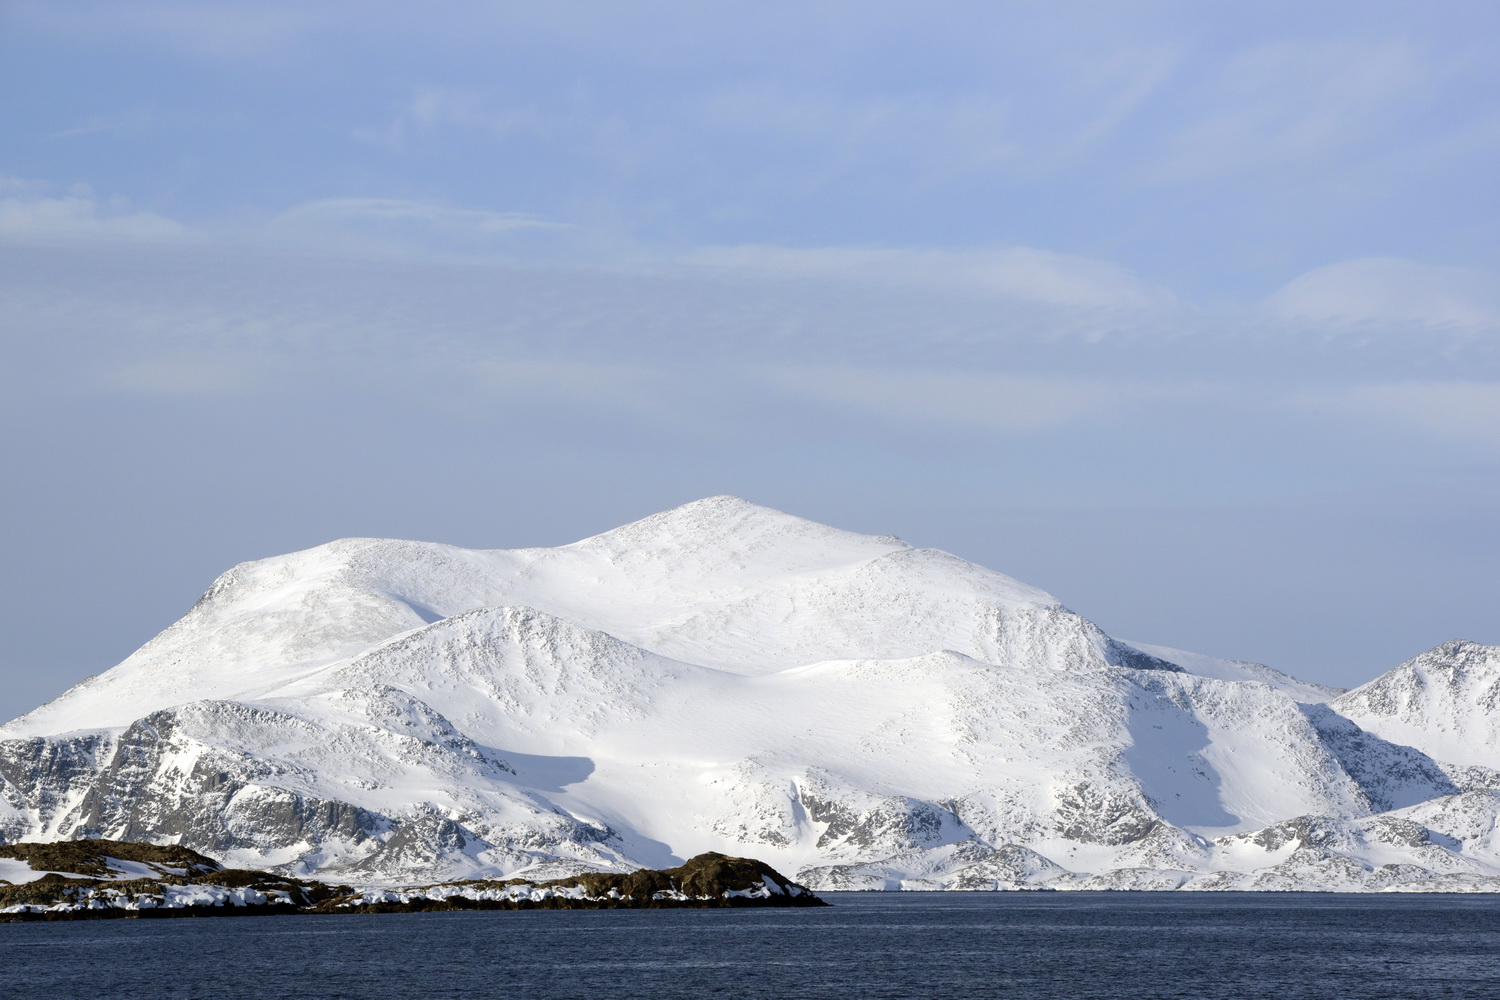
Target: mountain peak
[
  {"x": 1456, "y": 657},
  {"x": 1462, "y": 652},
  {"x": 728, "y": 531},
  {"x": 726, "y": 515},
  {"x": 723, "y": 502}
]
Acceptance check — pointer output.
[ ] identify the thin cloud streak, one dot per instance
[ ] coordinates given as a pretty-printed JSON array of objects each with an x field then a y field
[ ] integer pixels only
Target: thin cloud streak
[
  {"x": 1015, "y": 404},
  {"x": 1292, "y": 105}
]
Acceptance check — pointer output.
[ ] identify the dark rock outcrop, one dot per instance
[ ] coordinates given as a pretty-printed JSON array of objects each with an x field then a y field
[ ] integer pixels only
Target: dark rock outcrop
[{"x": 92, "y": 857}]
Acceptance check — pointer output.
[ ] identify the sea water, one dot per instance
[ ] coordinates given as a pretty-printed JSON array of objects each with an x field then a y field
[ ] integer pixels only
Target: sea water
[{"x": 867, "y": 945}]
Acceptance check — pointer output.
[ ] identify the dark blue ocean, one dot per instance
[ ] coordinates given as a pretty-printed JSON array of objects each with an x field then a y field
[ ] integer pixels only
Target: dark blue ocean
[{"x": 868, "y": 945}]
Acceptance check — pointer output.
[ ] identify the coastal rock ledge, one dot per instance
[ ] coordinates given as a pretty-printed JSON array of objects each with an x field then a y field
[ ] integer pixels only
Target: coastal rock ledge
[{"x": 86, "y": 879}]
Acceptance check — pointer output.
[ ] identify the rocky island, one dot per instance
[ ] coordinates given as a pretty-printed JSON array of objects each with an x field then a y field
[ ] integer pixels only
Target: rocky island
[{"x": 87, "y": 879}]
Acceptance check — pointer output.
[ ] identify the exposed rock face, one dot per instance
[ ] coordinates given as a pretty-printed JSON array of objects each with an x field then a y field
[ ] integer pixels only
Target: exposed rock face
[{"x": 726, "y": 677}]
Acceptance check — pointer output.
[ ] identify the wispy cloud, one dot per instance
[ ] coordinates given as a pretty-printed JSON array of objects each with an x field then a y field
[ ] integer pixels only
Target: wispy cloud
[
  {"x": 979, "y": 304},
  {"x": 399, "y": 210},
  {"x": 1386, "y": 292},
  {"x": 1295, "y": 105},
  {"x": 29, "y": 211},
  {"x": 430, "y": 109},
  {"x": 1012, "y": 127},
  {"x": 1019, "y": 273},
  {"x": 403, "y": 226},
  {"x": 926, "y": 139},
  {"x": 1011, "y": 403},
  {"x": 125, "y": 123},
  {"x": 1108, "y": 93}
]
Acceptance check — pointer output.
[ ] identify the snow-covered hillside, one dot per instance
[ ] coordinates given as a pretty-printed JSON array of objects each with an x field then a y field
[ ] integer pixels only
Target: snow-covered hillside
[
  {"x": 1445, "y": 702},
  {"x": 724, "y": 677}
]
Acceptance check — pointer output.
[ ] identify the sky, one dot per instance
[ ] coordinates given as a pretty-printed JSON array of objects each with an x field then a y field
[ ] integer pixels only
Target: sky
[{"x": 1188, "y": 313}]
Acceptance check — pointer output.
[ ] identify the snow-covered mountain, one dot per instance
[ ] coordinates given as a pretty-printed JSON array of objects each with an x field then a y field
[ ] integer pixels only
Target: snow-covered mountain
[{"x": 724, "y": 677}]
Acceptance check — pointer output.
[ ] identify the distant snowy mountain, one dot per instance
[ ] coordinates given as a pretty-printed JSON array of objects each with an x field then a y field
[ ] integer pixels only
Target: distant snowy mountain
[{"x": 724, "y": 677}]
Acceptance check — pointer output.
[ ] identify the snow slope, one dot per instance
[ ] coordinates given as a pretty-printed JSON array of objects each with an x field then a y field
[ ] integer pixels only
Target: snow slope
[{"x": 731, "y": 678}]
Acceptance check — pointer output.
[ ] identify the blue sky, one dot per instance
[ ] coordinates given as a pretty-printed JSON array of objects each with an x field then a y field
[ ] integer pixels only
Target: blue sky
[{"x": 1186, "y": 312}]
